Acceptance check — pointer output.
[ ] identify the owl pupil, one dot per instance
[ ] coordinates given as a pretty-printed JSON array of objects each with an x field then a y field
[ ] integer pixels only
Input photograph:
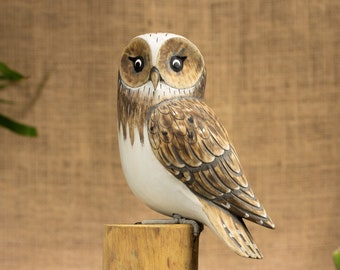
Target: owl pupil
[
  {"x": 138, "y": 63},
  {"x": 176, "y": 63}
]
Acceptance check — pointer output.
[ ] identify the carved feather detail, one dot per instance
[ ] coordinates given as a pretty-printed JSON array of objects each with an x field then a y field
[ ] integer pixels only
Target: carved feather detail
[{"x": 191, "y": 143}]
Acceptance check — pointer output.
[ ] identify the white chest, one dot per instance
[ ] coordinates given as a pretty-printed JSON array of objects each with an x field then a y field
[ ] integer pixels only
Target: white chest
[{"x": 153, "y": 184}]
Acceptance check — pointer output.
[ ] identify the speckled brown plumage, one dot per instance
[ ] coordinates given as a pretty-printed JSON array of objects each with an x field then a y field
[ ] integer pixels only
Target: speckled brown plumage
[
  {"x": 131, "y": 110},
  {"x": 190, "y": 142},
  {"x": 133, "y": 105}
]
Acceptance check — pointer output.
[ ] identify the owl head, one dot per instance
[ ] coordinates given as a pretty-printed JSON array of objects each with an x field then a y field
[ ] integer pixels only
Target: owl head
[
  {"x": 154, "y": 68},
  {"x": 164, "y": 65}
]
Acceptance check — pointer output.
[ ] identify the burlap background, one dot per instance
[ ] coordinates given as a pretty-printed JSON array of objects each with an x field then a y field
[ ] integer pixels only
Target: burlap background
[{"x": 273, "y": 78}]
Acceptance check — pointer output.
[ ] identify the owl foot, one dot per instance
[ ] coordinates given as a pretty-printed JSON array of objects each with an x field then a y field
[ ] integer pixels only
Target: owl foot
[
  {"x": 198, "y": 227},
  {"x": 177, "y": 219}
]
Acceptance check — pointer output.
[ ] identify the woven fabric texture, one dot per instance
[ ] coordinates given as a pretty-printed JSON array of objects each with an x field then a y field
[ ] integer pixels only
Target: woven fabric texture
[{"x": 273, "y": 78}]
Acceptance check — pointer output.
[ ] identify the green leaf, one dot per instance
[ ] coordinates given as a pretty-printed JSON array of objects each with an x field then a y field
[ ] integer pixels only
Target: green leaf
[
  {"x": 17, "y": 127},
  {"x": 5, "y": 101},
  {"x": 336, "y": 258},
  {"x": 9, "y": 74}
]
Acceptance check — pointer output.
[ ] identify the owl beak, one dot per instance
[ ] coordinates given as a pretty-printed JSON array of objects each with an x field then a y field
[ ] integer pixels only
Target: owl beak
[{"x": 154, "y": 77}]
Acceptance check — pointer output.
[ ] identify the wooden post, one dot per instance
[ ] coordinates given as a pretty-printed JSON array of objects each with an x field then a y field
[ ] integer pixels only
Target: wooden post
[{"x": 151, "y": 247}]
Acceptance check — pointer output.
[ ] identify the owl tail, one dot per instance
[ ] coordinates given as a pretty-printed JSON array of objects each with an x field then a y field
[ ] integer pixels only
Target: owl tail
[{"x": 231, "y": 230}]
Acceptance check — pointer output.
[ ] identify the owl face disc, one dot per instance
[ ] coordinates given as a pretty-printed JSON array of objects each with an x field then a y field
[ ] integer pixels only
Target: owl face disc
[{"x": 178, "y": 61}]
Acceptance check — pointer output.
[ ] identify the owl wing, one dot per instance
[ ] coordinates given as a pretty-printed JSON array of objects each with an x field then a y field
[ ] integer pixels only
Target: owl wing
[{"x": 191, "y": 143}]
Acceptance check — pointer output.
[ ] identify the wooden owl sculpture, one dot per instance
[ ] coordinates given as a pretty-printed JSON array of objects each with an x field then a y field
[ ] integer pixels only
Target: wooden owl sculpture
[{"x": 176, "y": 155}]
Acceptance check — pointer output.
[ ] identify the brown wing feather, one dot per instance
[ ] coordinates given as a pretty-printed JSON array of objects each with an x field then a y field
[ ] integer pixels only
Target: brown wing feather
[{"x": 191, "y": 143}]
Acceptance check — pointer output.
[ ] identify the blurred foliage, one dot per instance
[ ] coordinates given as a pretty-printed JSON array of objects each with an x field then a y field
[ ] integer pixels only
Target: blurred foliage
[
  {"x": 8, "y": 77},
  {"x": 336, "y": 258}
]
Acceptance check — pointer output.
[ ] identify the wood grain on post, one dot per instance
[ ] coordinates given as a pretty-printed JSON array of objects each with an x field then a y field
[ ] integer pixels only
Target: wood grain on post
[{"x": 165, "y": 246}]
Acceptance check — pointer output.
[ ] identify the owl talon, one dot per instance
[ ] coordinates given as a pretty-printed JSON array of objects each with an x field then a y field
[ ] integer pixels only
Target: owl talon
[
  {"x": 176, "y": 219},
  {"x": 198, "y": 227}
]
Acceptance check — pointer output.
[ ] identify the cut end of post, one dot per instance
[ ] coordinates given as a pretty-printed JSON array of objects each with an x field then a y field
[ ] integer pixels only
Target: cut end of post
[{"x": 151, "y": 246}]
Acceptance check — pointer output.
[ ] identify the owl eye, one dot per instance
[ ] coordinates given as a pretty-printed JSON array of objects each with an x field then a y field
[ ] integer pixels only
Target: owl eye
[
  {"x": 176, "y": 63},
  {"x": 138, "y": 63}
]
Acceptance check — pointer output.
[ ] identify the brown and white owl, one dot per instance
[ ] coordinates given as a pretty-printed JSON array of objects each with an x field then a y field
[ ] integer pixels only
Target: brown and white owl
[{"x": 176, "y": 155}]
